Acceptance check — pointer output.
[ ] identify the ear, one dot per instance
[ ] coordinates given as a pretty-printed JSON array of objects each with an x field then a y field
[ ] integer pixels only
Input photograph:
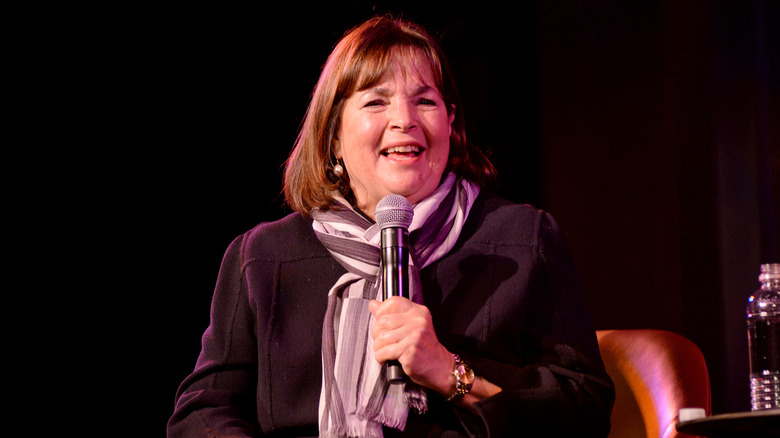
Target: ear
[{"x": 336, "y": 148}]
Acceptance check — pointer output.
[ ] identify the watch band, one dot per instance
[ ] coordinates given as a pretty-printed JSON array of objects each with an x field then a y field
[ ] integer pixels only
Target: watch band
[{"x": 464, "y": 378}]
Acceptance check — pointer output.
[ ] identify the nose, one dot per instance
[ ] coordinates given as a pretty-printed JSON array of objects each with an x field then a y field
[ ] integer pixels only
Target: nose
[{"x": 403, "y": 117}]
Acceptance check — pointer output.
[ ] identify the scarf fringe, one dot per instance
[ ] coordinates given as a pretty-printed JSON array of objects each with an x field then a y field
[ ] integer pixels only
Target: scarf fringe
[{"x": 417, "y": 401}]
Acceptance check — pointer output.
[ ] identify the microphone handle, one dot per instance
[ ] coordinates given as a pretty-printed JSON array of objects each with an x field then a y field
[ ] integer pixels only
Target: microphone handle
[{"x": 395, "y": 281}]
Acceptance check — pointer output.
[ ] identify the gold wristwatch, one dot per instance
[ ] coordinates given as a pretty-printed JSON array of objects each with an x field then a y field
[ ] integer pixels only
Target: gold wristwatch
[{"x": 464, "y": 378}]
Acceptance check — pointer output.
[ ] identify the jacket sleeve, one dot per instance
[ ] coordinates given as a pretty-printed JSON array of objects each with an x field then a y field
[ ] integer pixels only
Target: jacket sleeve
[
  {"x": 560, "y": 386},
  {"x": 218, "y": 398}
]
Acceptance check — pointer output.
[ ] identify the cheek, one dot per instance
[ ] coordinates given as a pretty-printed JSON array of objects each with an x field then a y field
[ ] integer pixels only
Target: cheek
[
  {"x": 441, "y": 143},
  {"x": 361, "y": 136},
  {"x": 442, "y": 156}
]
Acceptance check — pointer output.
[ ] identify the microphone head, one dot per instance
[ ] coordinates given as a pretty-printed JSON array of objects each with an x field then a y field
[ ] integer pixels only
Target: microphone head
[{"x": 394, "y": 211}]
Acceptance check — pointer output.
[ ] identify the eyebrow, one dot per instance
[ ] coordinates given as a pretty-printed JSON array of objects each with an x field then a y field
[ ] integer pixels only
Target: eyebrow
[{"x": 384, "y": 92}]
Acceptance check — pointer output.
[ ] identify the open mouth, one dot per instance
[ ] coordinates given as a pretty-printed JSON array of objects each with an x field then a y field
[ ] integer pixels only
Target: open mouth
[{"x": 402, "y": 152}]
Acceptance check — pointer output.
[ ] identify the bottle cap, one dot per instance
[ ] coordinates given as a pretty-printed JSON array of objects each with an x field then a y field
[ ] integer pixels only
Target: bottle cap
[{"x": 769, "y": 272}]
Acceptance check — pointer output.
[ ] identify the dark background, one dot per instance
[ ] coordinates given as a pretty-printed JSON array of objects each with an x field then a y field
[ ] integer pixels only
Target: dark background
[{"x": 649, "y": 129}]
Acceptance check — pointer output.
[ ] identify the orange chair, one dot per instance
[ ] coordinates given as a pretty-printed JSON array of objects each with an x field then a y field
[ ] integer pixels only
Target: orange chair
[{"x": 656, "y": 373}]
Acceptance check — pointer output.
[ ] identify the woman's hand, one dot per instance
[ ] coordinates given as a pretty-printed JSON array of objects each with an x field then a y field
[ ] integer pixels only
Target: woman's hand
[{"x": 403, "y": 331}]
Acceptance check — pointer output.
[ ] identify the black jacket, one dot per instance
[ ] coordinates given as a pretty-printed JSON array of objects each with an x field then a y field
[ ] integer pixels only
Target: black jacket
[{"x": 506, "y": 298}]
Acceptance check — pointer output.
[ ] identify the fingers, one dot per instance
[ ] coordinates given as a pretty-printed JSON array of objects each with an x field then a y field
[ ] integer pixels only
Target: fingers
[
  {"x": 395, "y": 324},
  {"x": 403, "y": 331},
  {"x": 400, "y": 329},
  {"x": 394, "y": 316},
  {"x": 390, "y": 305}
]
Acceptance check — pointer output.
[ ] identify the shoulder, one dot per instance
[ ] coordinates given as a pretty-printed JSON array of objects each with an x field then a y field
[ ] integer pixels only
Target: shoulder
[
  {"x": 496, "y": 220},
  {"x": 288, "y": 239}
]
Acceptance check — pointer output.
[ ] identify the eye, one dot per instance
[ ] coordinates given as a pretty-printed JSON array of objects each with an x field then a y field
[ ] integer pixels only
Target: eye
[
  {"x": 374, "y": 103},
  {"x": 426, "y": 101}
]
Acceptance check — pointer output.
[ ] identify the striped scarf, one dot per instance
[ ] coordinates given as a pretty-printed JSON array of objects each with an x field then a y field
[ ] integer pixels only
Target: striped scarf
[{"x": 355, "y": 399}]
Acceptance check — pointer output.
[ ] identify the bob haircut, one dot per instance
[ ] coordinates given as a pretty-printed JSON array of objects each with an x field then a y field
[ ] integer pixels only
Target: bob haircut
[{"x": 359, "y": 61}]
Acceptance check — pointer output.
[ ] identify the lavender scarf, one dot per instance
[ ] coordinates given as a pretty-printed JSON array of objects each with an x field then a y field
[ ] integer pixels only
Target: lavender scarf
[{"x": 356, "y": 400}]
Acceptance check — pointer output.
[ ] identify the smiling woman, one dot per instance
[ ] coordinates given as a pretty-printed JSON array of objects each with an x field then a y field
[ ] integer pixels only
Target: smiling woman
[
  {"x": 376, "y": 65},
  {"x": 494, "y": 338}
]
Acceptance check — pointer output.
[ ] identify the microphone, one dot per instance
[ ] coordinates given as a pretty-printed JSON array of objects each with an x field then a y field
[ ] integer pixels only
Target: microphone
[{"x": 394, "y": 215}]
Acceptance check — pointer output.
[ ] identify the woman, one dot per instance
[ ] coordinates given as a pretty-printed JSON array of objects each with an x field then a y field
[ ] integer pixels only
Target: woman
[{"x": 494, "y": 340}]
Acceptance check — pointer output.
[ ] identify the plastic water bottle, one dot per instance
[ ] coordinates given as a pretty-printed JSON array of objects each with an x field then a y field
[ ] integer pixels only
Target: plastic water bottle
[{"x": 763, "y": 321}]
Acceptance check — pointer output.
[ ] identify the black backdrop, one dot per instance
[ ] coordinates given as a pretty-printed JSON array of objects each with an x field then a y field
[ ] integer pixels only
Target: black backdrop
[{"x": 649, "y": 129}]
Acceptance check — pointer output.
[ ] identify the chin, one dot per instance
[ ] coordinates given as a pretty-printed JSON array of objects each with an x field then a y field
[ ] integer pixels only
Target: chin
[
  {"x": 415, "y": 189},
  {"x": 417, "y": 194}
]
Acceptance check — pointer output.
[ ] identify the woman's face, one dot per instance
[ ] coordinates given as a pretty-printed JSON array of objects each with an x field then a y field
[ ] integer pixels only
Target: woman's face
[{"x": 394, "y": 138}]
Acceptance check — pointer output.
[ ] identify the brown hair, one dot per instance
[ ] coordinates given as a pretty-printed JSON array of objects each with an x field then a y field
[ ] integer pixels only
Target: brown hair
[{"x": 358, "y": 61}]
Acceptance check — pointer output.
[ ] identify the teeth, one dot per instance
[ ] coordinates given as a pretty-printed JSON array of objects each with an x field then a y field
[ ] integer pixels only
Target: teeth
[{"x": 403, "y": 149}]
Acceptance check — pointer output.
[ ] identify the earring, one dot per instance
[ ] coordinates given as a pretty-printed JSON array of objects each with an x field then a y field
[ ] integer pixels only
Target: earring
[{"x": 338, "y": 170}]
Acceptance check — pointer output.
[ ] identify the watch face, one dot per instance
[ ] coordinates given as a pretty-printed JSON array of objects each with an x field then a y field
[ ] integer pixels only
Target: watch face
[{"x": 465, "y": 374}]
